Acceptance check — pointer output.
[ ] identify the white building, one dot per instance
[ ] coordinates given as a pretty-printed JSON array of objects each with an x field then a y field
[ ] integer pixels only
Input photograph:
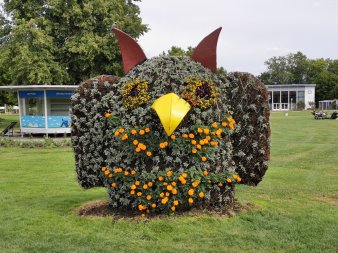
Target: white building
[{"x": 287, "y": 96}]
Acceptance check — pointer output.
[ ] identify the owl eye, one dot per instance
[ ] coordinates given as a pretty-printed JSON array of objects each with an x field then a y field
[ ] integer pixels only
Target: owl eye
[
  {"x": 135, "y": 94},
  {"x": 200, "y": 93}
]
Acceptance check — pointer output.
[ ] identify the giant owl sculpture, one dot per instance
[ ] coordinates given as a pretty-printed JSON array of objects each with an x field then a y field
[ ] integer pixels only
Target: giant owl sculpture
[{"x": 172, "y": 133}]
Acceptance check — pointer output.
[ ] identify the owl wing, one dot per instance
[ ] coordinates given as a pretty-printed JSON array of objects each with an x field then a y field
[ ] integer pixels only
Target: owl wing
[
  {"x": 248, "y": 98},
  {"x": 88, "y": 128}
]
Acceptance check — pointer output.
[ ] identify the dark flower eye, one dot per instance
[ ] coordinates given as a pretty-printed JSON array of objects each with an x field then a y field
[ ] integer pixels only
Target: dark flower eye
[{"x": 135, "y": 93}]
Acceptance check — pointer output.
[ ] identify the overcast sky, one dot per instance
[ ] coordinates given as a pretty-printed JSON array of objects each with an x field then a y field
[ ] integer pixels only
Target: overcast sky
[{"x": 253, "y": 30}]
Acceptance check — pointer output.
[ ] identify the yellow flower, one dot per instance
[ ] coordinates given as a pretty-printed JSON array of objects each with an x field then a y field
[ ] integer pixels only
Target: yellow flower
[
  {"x": 201, "y": 195},
  {"x": 205, "y": 173},
  {"x": 214, "y": 125},
  {"x": 173, "y": 183},
  {"x": 220, "y": 184},
  {"x": 224, "y": 124},
  {"x": 175, "y": 202},
  {"x": 169, "y": 173},
  {"x": 193, "y": 142},
  {"x": 206, "y": 131},
  {"x": 148, "y": 197},
  {"x": 191, "y": 200},
  {"x": 184, "y": 175},
  {"x": 173, "y": 208},
  {"x": 162, "y": 194},
  {"x": 208, "y": 138},
  {"x": 229, "y": 180},
  {"x": 169, "y": 187},
  {"x": 204, "y": 158},
  {"x": 153, "y": 205},
  {"x": 191, "y": 192},
  {"x": 133, "y": 132},
  {"x": 202, "y": 142},
  {"x": 107, "y": 115},
  {"x": 145, "y": 187},
  {"x": 133, "y": 187},
  {"x": 239, "y": 179},
  {"x": 199, "y": 130},
  {"x": 139, "y": 194},
  {"x": 137, "y": 183}
]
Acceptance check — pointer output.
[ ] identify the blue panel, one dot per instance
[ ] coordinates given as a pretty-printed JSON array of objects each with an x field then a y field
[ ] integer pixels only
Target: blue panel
[
  {"x": 58, "y": 121},
  {"x": 33, "y": 121},
  {"x": 31, "y": 94},
  {"x": 59, "y": 93}
]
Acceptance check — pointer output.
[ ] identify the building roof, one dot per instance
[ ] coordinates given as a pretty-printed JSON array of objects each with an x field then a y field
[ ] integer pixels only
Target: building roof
[
  {"x": 38, "y": 87},
  {"x": 293, "y": 85}
]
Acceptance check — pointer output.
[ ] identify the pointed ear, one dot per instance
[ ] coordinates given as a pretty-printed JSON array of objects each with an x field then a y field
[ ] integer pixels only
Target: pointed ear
[
  {"x": 205, "y": 52},
  {"x": 132, "y": 53}
]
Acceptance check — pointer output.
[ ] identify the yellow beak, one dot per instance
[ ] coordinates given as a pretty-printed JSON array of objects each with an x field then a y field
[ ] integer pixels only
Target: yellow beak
[{"x": 171, "y": 109}]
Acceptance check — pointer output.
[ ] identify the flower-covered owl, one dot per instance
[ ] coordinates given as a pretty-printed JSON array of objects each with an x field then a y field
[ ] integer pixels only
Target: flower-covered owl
[{"x": 171, "y": 133}]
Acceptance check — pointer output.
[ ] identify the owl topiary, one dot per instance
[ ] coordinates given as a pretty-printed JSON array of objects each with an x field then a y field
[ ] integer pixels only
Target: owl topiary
[{"x": 160, "y": 139}]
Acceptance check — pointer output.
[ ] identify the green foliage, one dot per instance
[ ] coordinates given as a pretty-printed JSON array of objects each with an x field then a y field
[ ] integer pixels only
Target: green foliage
[
  {"x": 177, "y": 51},
  {"x": 63, "y": 41},
  {"x": 297, "y": 68},
  {"x": 43, "y": 143}
]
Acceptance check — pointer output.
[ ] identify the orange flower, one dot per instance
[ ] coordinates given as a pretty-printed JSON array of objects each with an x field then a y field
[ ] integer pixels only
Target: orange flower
[
  {"x": 184, "y": 175},
  {"x": 220, "y": 184},
  {"x": 110, "y": 175},
  {"x": 143, "y": 215},
  {"x": 121, "y": 130},
  {"x": 175, "y": 202},
  {"x": 208, "y": 138},
  {"x": 135, "y": 142},
  {"x": 147, "y": 130},
  {"x": 126, "y": 173},
  {"x": 173, "y": 208},
  {"x": 202, "y": 142},
  {"x": 149, "y": 153},
  {"x": 219, "y": 131},
  {"x": 195, "y": 184},
  {"x": 229, "y": 180},
  {"x": 169, "y": 187},
  {"x": 174, "y": 191},
  {"x": 173, "y": 137},
  {"x": 148, "y": 197},
  {"x": 162, "y": 194},
  {"x": 107, "y": 115},
  {"x": 169, "y": 173},
  {"x": 145, "y": 187},
  {"x": 103, "y": 168},
  {"x": 142, "y": 146},
  {"x": 133, "y": 132},
  {"x": 150, "y": 184},
  {"x": 199, "y": 130},
  {"x": 133, "y": 172},
  {"x": 198, "y": 146},
  {"x": 173, "y": 183},
  {"x": 204, "y": 158},
  {"x": 133, "y": 187},
  {"x": 231, "y": 126},
  {"x": 214, "y": 125},
  {"x": 160, "y": 178},
  {"x": 193, "y": 142},
  {"x": 132, "y": 192},
  {"x": 206, "y": 131},
  {"x": 162, "y": 145},
  {"x": 124, "y": 137},
  {"x": 140, "y": 207},
  {"x": 106, "y": 172},
  {"x": 141, "y": 132},
  {"x": 184, "y": 136},
  {"x": 191, "y": 136},
  {"x": 224, "y": 124},
  {"x": 114, "y": 184},
  {"x": 139, "y": 194},
  {"x": 205, "y": 173},
  {"x": 165, "y": 143},
  {"x": 167, "y": 194},
  {"x": 138, "y": 150},
  {"x": 191, "y": 200},
  {"x": 137, "y": 183},
  {"x": 191, "y": 192},
  {"x": 116, "y": 133},
  {"x": 201, "y": 195},
  {"x": 153, "y": 205},
  {"x": 239, "y": 179},
  {"x": 165, "y": 184},
  {"x": 164, "y": 201}
]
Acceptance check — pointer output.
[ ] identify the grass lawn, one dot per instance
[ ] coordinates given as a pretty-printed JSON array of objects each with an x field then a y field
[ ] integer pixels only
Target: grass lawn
[{"x": 296, "y": 203}]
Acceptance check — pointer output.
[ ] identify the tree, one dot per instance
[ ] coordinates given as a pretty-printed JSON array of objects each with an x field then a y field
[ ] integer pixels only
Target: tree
[
  {"x": 64, "y": 41},
  {"x": 177, "y": 51}
]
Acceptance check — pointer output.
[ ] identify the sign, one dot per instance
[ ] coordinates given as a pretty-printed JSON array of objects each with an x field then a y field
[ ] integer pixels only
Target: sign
[
  {"x": 59, "y": 93},
  {"x": 31, "y": 94}
]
